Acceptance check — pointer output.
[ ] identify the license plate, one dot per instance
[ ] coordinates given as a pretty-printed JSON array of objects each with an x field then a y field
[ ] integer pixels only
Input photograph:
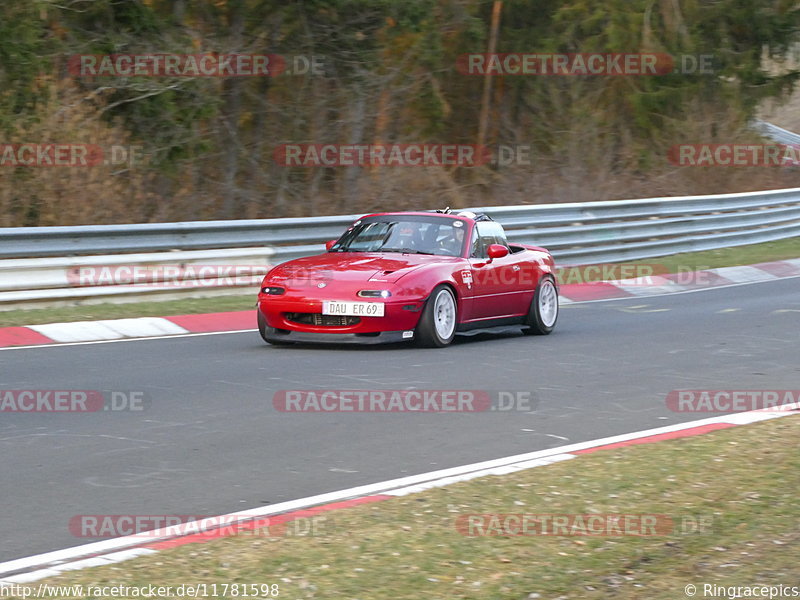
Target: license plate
[{"x": 352, "y": 309}]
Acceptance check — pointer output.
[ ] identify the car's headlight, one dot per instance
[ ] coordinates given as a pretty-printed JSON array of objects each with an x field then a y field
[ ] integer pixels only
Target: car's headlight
[
  {"x": 273, "y": 290},
  {"x": 374, "y": 293}
]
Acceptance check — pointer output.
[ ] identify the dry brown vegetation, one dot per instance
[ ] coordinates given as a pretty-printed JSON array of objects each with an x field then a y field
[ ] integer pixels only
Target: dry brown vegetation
[{"x": 388, "y": 77}]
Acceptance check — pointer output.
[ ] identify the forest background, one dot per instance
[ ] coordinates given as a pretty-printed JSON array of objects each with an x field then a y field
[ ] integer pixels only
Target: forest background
[{"x": 204, "y": 146}]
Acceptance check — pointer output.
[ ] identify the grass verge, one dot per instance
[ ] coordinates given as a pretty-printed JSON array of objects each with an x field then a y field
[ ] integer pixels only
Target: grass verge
[
  {"x": 741, "y": 482},
  {"x": 697, "y": 261},
  {"x": 725, "y": 257},
  {"x": 729, "y": 257}
]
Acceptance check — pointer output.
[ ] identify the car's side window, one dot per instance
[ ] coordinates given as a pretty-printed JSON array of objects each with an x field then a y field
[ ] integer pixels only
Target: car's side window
[
  {"x": 484, "y": 235},
  {"x": 476, "y": 249}
]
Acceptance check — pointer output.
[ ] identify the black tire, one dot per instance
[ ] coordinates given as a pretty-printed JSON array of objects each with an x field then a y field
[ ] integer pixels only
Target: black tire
[
  {"x": 537, "y": 322},
  {"x": 427, "y": 335},
  {"x": 262, "y": 329}
]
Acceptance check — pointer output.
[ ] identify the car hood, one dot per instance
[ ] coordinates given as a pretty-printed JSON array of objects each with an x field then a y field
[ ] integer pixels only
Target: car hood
[{"x": 352, "y": 266}]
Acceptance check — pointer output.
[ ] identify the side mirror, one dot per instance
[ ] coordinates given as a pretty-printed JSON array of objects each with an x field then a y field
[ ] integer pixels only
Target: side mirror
[
  {"x": 329, "y": 244},
  {"x": 496, "y": 251}
]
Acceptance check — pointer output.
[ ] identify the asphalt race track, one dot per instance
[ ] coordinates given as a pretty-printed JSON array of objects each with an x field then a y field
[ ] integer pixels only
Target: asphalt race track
[{"x": 212, "y": 442}]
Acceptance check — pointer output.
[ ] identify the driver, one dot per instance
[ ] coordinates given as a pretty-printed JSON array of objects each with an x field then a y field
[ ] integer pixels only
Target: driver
[
  {"x": 406, "y": 235},
  {"x": 453, "y": 243}
]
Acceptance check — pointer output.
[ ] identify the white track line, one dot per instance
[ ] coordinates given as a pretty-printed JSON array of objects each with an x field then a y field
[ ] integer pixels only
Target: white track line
[
  {"x": 50, "y": 563},
  {"x": 157, "y": 337},
  {"x": 708, "y": 289}
]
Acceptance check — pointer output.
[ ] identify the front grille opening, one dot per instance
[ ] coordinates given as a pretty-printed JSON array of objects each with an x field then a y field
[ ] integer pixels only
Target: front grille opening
[{"x": 321, "y": 320}]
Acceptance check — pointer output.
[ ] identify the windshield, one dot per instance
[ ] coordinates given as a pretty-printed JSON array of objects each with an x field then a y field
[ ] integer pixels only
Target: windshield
[{"x": 443, "y": 237}]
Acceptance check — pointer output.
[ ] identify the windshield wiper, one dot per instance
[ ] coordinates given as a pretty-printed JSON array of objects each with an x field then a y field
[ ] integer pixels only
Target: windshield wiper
[{"x": 406, "y": 251}]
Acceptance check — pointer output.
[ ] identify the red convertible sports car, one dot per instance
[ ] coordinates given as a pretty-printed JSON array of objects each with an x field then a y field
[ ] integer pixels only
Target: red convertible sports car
[{"x": 421, "y": 276}]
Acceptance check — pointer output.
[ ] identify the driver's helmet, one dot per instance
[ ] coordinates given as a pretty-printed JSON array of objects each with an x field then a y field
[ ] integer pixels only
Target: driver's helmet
[{"x": 406, "y": 235}]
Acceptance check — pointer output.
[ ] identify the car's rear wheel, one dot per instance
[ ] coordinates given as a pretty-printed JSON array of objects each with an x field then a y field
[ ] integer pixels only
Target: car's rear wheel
[
  {"x": 437, "y": 324},
  {"x": 262, "y": 329},
  {"x": 543, "y": 313}
]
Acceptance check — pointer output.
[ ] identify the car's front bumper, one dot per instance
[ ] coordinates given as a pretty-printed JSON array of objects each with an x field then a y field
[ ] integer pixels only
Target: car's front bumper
[
  {"x": 398, "y": 317},
  {"x": 311, "y": 337}
]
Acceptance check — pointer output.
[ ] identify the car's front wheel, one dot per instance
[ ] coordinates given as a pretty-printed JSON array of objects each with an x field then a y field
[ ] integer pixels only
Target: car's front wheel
[
  {"x": 543, "y": 313},
  {"x": 437, "y": 324},
  {"x": 262, "y": 329}
]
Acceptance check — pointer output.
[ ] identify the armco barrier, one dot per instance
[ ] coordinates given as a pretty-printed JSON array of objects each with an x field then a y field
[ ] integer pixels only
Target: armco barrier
[{"x": 35, "y": 261}]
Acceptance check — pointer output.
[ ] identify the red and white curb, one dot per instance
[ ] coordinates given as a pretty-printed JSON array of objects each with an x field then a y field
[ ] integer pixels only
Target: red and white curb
[
  {"x": 120, "y": 329},
  {"x": 658, "y": 285},
  {"x": 226, "y": 322},
  {"x": 107, "y": 552}
]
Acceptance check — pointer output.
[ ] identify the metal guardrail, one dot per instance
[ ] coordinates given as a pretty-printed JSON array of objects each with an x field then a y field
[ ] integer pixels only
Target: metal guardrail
[
  {"x": 20, "y": 242},
  {"x": 775, "y": 133},
  {"x": 576, "y": 233},
  {"x": 594, "y": 232}
]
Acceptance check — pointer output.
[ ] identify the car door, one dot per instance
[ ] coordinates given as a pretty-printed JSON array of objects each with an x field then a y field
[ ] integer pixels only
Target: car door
[{"x": 499, "y": 288}]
